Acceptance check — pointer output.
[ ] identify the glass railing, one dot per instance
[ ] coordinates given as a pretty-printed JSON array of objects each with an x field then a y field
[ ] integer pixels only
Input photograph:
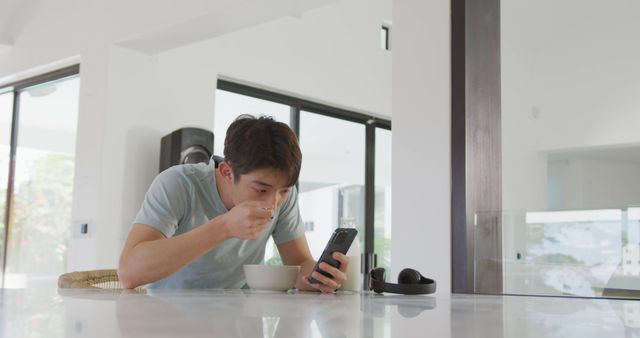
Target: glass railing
[{"x": 584, "y": 253}]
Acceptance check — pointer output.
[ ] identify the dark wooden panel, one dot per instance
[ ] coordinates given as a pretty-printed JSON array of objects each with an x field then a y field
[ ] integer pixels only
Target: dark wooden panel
[
  {"x": 476, "y": 147},
  {"x": 459, "y": 248},
  {"x": 483, "y": 153}
]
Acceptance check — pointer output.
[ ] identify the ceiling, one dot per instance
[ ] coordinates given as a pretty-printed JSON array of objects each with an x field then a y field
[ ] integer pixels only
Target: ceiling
[
  {"x": 215, "y": 21},
  {"x": 152, "y": 26},
  {"x": 14, "y": 13}
]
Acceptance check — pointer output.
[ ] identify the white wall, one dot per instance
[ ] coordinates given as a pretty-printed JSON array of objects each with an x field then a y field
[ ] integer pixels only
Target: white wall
[
  {"x": 128, "y": 100},
  {"x": 331, "y": 54},
  {"x": 581, "y": 183},
  {"x": 421, "y": 140},
  {"x": 570, "y": 79},
  {"x": 49, "y": 38}
]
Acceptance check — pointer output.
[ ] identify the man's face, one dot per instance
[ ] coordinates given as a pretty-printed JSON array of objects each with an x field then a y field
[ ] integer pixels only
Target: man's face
[{"x": 265, "y": 185}]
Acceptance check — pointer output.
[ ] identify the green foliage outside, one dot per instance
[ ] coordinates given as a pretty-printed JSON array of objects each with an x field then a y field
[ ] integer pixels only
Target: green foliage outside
[
  {"x": 382, "y": 247},
  {"x": 275, "y": 260},
  {"x": 41, "y": 218}
]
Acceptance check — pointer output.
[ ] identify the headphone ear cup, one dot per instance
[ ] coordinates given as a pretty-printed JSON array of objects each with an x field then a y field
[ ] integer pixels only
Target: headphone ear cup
[
  {"x": 409, "y": 276},
  {"x": 377, "y": 274},
  {"x": 377, "y": 280}
]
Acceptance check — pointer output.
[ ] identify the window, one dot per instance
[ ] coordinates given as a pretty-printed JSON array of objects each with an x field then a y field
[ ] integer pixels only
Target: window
[
  {"x": 6, "y": 112},
  {"x": 39, "y": 180},
  {"x": 382, "y": 219},
  {"x": 336, "y": 187},
  {"x": 230, "y": 105},
  {"x": 331, "y": 182}
]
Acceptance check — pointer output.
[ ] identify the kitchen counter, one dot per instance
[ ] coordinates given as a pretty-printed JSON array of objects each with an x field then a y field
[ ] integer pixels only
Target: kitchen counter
[{"x": 236, "y": 313}]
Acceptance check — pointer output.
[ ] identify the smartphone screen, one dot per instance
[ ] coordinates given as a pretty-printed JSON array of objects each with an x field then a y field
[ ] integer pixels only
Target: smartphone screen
[{"x": 340, "y": 241}]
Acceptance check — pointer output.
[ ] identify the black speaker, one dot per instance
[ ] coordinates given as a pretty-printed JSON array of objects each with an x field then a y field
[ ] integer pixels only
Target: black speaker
[{"x": 186, "y": 145}]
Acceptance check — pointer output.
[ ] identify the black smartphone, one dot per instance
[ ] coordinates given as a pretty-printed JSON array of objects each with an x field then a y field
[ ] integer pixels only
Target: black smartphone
[{"x": 340, "y": 241}]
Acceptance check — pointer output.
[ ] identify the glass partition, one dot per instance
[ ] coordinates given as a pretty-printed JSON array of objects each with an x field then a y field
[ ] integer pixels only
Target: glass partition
[
  {"x": 570, "y": 150},
  {"x": 583, "y": 253}
]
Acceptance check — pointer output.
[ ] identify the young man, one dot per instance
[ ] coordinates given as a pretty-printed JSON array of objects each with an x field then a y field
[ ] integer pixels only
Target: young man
[{"x": 199, "y": 224}]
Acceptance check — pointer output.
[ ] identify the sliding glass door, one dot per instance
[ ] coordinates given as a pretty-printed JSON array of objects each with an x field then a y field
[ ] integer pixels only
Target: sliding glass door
[
  {"x": 6, "y": 112},
  {"x": 332, "y": 177},
  {"x": 346, "y": 169},
  {"x": 37, "y": 179},
  {"x": 230, "y": 105},
  {"x": 382, "y": 212}
]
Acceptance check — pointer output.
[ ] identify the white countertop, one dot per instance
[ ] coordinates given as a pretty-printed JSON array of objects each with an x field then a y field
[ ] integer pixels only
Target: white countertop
[{"x": 234, "y": 313}]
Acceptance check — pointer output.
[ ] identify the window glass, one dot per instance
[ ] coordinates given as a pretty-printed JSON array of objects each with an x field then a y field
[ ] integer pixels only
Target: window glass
[
  {"x": 331, "y": 184},
  {"x": 231, "y": 105},
  {"x": 228, "y": 107},
  {"x": 39, "y": 229},
  {"x": 332, "y": 178},
  {"x": 382, "y": 214},
  {"x": 6, "y": 112}
]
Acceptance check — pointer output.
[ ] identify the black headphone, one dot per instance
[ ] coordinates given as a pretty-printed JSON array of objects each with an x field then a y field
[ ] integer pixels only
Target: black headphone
[{"x": 410, "y": 282}]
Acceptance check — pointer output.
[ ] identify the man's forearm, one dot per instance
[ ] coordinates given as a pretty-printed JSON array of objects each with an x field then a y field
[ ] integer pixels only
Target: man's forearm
[{"x": 153, "y": 260}]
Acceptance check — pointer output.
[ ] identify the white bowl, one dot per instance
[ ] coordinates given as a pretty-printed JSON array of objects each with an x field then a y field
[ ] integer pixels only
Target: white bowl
[{"x": 271, "y": 277}]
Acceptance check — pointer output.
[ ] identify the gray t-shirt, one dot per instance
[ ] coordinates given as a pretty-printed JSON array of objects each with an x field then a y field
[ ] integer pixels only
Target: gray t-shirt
[{"x": 184, "y": 197}]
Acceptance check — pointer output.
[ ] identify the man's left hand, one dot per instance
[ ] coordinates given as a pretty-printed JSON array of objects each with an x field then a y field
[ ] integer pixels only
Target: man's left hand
[{"x": 326, "y": 284}]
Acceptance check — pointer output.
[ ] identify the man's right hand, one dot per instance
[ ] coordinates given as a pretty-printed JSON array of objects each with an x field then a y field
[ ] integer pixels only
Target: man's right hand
[{"x": 248, "y": 219}]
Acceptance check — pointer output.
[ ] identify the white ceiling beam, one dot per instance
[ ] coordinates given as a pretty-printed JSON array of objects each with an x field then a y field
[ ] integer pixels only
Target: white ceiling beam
[{"x": 242, "y": 15}]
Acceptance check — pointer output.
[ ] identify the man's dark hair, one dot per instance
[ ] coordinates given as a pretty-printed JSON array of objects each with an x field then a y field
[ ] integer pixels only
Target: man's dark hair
[{"x": 258, "y": 143}]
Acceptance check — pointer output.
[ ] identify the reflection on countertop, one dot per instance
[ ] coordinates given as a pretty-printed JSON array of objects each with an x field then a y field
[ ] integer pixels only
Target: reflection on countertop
[{"x": 238, "y": 313}]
